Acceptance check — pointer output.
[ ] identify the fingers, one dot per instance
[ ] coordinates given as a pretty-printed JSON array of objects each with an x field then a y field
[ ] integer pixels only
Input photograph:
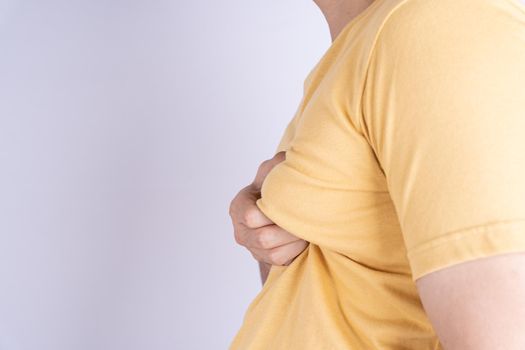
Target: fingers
[
  {"x": 265, "y": 167},
  {"x": 271, "y": 244},
  {"x": 282, "y": 255},
  {"x": 244, "y": 210},
  {"x": 267, "y": 237},
  {"x": 266, "y": 241}
]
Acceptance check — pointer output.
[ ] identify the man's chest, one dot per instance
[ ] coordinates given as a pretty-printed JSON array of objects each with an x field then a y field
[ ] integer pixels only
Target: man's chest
[{"x": 330, "y": 189}]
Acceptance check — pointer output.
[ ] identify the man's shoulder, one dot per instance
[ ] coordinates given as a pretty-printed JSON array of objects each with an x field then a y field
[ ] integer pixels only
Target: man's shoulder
[{"x": 432, "y": 21}]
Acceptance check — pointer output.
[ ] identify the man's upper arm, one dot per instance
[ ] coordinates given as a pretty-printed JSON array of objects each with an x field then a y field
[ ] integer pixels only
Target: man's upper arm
[
  {"x": 444, "y": 111},
  {"x": 478, "y": 305}
]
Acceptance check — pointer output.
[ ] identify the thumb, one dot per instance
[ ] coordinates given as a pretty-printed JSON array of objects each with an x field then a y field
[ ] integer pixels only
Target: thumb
[{"x": 266, "y": 167}]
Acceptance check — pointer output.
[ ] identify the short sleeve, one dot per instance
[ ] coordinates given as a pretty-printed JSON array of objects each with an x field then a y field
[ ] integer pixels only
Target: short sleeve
[{"x": 444, "y": 110}]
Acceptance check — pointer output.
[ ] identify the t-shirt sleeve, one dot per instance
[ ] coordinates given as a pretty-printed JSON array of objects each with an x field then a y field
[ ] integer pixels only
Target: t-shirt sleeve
[{"x": 444, "y": 110}]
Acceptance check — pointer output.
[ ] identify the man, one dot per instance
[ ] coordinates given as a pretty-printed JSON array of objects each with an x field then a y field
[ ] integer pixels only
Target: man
[{"x": 392, "y": 215}]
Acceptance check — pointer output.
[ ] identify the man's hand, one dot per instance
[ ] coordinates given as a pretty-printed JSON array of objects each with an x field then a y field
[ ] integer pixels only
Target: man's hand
[{"x": 268, "y": 243}]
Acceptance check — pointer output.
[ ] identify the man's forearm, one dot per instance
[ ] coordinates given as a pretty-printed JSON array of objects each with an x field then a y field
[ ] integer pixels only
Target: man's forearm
[{"x": 264, "y": 269}]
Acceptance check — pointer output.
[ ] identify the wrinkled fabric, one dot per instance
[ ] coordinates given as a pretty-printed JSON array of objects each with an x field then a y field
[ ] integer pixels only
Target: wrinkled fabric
[{"x": 405, "y": 156}]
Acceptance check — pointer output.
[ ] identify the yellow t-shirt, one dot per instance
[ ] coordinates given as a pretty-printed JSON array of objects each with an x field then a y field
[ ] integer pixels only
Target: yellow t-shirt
[{"x": 406, "y": 156}]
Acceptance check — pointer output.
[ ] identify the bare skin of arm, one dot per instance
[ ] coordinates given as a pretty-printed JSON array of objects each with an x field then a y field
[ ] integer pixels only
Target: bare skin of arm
[
  {"x": 264, "y": 270},
  {"x": 268, "y": 243},
  {"x": 478, "y": 305}
]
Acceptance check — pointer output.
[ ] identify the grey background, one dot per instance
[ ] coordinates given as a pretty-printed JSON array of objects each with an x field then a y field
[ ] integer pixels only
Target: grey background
[{"x": 126, "y": 128}]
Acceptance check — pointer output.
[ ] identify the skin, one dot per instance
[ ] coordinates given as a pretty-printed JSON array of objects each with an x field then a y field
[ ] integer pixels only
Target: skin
[
  {"x": 475, "y": 305},
  {"x": 339, "y": 12},
  {"x": 268, "y": 243},
  {"x": 478, "y": 304}
]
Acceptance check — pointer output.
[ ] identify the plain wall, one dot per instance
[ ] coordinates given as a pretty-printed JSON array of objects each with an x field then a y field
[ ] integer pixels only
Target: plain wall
[{"x": 126, "y": 128}]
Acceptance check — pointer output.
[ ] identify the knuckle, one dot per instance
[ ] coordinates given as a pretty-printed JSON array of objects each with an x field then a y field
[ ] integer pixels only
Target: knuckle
[
  {"x": 276, "y": 257},
  {"x": 264, "y": 164},
  {"x": 232, "y": 206},
  {"x": 256, "y": 256},
  {"x": 261, "y": 240},
  {"x": 237, "y": 240},
  {"x": 264, "y": 238},
  {"x": 249, "y": 216},
  {"x": 230, "y": 209},
  {"x": 238, "y": 237}
]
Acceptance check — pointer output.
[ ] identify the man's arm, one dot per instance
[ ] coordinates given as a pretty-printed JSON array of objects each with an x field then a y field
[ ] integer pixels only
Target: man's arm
[
  {"x": 264, "y": 270},
  {"x": 443, "y": 111},
  {"x": 478, "y": 305}
]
